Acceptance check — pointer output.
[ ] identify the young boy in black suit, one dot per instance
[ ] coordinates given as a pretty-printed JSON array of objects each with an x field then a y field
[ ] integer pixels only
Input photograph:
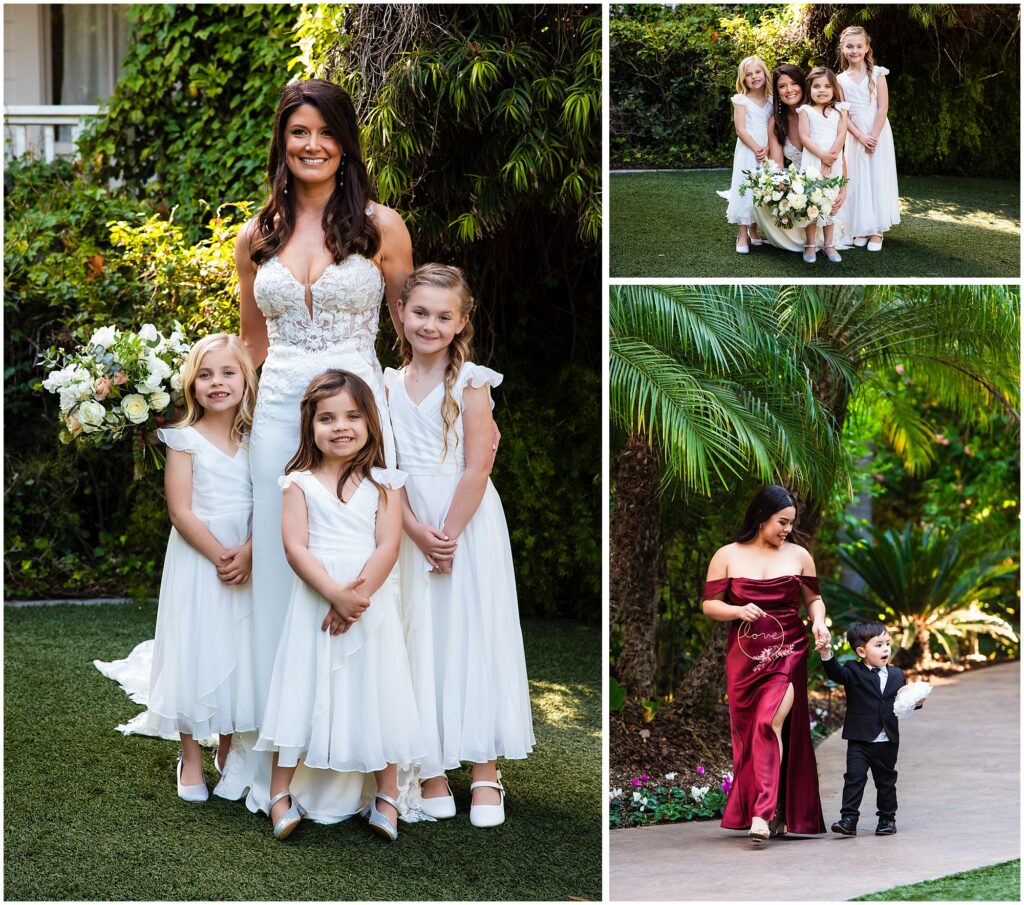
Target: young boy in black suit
[{"x": 871, "y": 728}]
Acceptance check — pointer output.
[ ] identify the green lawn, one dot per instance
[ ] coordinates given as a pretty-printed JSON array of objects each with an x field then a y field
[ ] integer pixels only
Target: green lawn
[
  {"x": 998, "y": 883},
  {"x": 672, "y": 224},
  {"x": 89, "y": 814}
]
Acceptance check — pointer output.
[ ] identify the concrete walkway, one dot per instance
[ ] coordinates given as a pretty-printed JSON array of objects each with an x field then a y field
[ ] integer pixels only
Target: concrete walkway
[{"x": 959, "y": 808}]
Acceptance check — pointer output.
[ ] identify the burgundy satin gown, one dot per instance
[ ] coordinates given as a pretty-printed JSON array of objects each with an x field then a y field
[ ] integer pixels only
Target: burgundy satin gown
[{"x": 762, "y": 659}]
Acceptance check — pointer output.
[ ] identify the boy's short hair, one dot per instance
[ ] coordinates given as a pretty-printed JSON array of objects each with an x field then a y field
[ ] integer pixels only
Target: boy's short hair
[{"x": 860, "y": 633}]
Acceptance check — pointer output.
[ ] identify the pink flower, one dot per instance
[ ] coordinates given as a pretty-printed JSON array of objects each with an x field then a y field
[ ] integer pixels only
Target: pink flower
[
  {"x": 899, "y": 369},
  {"x": 102, "y": 387},
  {"x": 636, "y": 783},
  {"x": 700, "y": 769},
  {"x": 120, "y": 378},
  {"x": 643, "y": 777}
]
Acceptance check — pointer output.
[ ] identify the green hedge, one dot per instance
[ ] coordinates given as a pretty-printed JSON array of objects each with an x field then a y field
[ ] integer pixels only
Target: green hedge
[{"x": 954, "y": 92}]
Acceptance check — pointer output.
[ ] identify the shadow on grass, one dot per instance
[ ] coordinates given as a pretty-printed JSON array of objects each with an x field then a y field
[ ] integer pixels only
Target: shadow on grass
[
  {"x": 673, "y": 225},
  {"x": 89, "y": 814}
]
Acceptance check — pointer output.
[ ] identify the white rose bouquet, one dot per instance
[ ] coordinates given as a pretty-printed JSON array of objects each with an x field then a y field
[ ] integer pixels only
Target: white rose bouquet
[
  {"x": 792, "y": 198},
  {"x": 118, "y": 385}
]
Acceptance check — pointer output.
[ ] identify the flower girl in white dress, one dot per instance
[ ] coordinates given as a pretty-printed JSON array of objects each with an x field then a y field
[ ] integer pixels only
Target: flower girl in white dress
[
  {"x": 874, "y": 201},
  {"x": 823, "y": 133},
  {"x": 201, "y": 682},
  {"x": 458, "y": 584},
  {"x": 341, "y": 694},
  {"x": 752, "y": 110}
]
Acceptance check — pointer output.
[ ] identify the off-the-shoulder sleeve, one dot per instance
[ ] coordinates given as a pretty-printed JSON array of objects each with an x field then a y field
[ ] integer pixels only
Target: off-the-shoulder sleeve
[
  {"x": 477, "y": 376},
  {"x": 810, "y": 582},
  {"x": 878, "y": 70},
  {"x": 295, "y": 477},
  {"x": 390, "y": 477},
  {"x": 183, "y": 439},
  {"x": 391, "y": 377},
  {"x": 715, "y": 589}
]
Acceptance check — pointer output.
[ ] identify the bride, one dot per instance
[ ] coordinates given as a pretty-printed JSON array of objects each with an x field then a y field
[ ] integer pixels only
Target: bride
[
  {"x": 788, "y": 90},
  {"x": 313, "y": 268}
]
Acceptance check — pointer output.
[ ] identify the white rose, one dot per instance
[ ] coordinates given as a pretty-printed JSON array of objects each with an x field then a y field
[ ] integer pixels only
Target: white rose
[
  {"x": 105, "y": 337},
  {"x": 817, "y": 196},
  {"x": 798, "y": 187},
  {"x": 91, "y": 415},
  {"x": 159, "y": 401},
  {"x": 177, "y": 381},
  {"x": 776, "y": 196},
  {"x": 135, "y": 408},
  {"x": 54, "y": 381},
  {"x": 826, "y": 209},
  {"x": 149, "y": 333},
  {"x": 783, "y": 206},
  {"x": 797, "y": 202},
  {"x": 813, "y": 173},
  {"x": 812, "y": 212}
]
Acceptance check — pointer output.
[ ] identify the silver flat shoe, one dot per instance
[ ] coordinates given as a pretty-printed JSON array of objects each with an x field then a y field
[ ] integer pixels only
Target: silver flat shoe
[
  {"x": 378, "y": 822},
  {"x": 833, "y": 255},
  {"x": 812, "y": 257},
  {"x": 290, "y": 819},
  {"x": 196, "y": 793}
]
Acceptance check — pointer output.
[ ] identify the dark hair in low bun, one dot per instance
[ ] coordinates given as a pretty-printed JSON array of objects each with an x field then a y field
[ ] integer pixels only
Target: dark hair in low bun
[{"x": 766, "y": 502}]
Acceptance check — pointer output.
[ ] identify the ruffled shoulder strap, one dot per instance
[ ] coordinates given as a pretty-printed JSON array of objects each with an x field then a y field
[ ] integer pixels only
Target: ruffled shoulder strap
[
  {"x": 716, "y": 588},
  {"x": 843, "y": 105},
  {"x": 389, "y": 477},
  {"x": 741, "y": 100},
  {"x": 802, "y": 107},
  {"x": 391, "y": 378},
  {"x": 294, "y": 477},
  {"x": 878, "y": 70},
  {"x": 183, "y": 439},
  {"x": 474, "y": 375}
]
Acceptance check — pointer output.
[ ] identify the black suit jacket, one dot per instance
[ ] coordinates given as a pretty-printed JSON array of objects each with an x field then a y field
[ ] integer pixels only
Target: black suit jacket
[{"x": 868, "y": 711}]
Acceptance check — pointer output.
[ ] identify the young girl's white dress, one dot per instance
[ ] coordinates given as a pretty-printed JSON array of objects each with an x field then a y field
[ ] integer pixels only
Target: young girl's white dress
[
  {"x": 873, "y": 196},
  {"x": 741, "y": 207},
  {"x": 824, "y": 130},
  {"x": 462, "y": 629},
  {"x": 201, "y": 679},
  {"x": 341, "y": 702}
]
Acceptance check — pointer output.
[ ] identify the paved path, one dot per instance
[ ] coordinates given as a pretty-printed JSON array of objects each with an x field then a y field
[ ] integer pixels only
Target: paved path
[{"x": 959, "y": 808}]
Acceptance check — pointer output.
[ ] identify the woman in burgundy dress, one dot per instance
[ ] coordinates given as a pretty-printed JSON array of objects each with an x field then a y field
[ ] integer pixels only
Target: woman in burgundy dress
[{"x": 758, "y": 584}]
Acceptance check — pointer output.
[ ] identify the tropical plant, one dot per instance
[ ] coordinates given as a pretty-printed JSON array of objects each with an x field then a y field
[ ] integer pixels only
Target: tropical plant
[{"x": 933, "y": 586}]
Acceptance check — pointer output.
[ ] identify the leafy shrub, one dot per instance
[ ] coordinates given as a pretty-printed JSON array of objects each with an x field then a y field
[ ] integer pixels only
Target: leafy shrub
[{"x": 642, "y": 804}]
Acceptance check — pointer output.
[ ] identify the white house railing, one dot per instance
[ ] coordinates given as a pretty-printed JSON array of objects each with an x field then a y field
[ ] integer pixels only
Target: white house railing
[{"x": 34, "y": 128}]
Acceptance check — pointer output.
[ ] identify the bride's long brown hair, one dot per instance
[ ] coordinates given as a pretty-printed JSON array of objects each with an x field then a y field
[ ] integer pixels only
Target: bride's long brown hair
[{"x": 347, "y": 226}]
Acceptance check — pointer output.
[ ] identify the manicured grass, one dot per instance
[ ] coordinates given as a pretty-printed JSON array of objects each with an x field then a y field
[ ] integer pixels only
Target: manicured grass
[
  {"x": 998, "y": 883},
  {"x": 89, "y": 814},
  {"x": 673, "y": 225}
]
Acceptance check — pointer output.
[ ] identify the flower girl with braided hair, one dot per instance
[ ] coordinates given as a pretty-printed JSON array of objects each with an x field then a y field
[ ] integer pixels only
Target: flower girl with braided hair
[{"x": 458, "y": 585}]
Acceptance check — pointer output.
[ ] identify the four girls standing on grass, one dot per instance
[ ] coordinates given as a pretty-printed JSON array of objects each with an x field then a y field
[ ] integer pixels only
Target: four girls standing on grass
[{"x": 860, "y": 97}]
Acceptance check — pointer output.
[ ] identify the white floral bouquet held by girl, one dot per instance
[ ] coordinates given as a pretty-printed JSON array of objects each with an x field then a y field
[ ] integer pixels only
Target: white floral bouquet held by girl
[
  {"x": 792, "y": 198},
  {"x": 120, "y": 384}
]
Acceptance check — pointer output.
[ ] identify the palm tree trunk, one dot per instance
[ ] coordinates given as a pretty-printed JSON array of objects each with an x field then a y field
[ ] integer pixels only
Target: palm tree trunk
[
  {"x": 703, "y": 686},
  {"x": 633, "y": 574}
]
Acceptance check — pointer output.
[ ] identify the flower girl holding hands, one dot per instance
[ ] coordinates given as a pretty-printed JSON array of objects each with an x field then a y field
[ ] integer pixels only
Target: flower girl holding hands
[
  {"x": 458, "y": 584},
  {"x": 341, "y": 694},
  {"x": 751, "y": 111},
  {"x": 823, "y": 133},
  {"x": 201, "y": 683},
  {"x": 874, "y": 202}
]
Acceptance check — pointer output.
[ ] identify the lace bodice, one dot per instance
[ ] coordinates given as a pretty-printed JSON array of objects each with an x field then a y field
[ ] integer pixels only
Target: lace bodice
[
  {"x": 346, "y": 305},
  {"x": 792, "y": 153}
]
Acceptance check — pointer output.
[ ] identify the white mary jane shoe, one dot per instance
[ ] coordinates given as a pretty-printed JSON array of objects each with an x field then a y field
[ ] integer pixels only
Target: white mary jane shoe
[
  {"x": 378, "y": 822},
  {"x": 440, "y": 807},
  {"x": 875, "y": 246},
  {"x": 757, "y": 243},
  {"x": 484, "y": 815},
  {"x": 742, "y": 249},
  {"x": 860, "y": 241},
  {"x": 196, "y": 793}
]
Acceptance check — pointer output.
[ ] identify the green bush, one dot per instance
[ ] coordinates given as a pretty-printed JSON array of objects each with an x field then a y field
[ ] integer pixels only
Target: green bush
[{"x": 954, "y": 105}]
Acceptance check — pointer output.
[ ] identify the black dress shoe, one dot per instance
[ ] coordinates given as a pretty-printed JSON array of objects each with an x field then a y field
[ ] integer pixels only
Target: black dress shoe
[
  {"x": 847, "y": 826},
  {"x": 886, "y": 827}
]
